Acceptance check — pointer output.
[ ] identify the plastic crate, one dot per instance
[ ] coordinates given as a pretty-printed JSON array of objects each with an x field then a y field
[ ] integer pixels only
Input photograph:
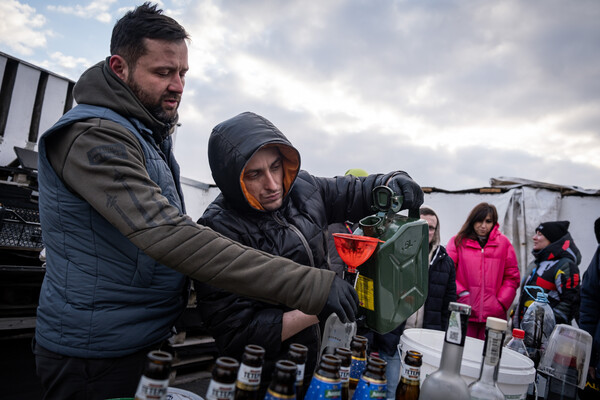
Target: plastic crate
[{"x": 20, "y": 229}]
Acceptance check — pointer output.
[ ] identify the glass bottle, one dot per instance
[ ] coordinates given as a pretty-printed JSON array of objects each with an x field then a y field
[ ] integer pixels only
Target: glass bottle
[
  {"x": 516, "y": 342},
  {"x": 358, "y": 346},
  {"x": 283, "y": 382},
  {"x": 326, "y": 382},
  {"x": 222, "y": 383},
  {"x": 446, "y": 383},
  {"x": 297, "y": 353},
  {"x": 154, "y": 382},
  {"x": 249, "y": 373},
  {"x": 373, "y": 383},
  {"x": 409, "y": 387},
  {"x": 486, "y": 387},
  {"x": 346, "y": 356}
]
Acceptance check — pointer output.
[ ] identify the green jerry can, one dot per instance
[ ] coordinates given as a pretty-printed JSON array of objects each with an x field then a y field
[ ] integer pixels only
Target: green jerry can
[{"x": 392, "y": 282}]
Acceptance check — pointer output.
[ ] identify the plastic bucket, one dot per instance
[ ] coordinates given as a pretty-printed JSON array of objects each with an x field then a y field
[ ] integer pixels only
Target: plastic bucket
[
  {"x": 515, "y": 374},
  {"x": 180, "y": 394}
]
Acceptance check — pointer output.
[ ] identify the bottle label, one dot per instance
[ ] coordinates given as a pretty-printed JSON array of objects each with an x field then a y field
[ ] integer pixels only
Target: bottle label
[
  {"x": 324, "y": 388},
  {"x": 357, "y": 367},
  {"x": 344, "y": 374},
  {"x": 271, "y": 395},
  {"x": 370, "y": 389},
  {"x": 300, "y": 372},
  {"x": 493, "y": 347},
  {"x": 249, "y": 376},
  {"x": 411, "y": 374},
  {"x": 220, "y": 391},
  {"x": 151, "y": 389},
  {"x": 454, "y": 331}
]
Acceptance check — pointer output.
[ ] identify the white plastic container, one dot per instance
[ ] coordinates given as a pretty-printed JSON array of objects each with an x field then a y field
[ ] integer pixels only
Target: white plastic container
[{"x": 516, "y": 370}]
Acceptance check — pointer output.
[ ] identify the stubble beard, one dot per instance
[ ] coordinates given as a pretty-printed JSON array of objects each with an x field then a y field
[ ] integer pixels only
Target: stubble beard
[{"x": 155, "y": 108}]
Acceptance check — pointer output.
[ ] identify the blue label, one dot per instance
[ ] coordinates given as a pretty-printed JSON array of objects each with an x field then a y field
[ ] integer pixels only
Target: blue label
[
  {"x": 357, "y": 367},
  {"x": 322, "y": 388},
  {"x": 369, "y": 389}
]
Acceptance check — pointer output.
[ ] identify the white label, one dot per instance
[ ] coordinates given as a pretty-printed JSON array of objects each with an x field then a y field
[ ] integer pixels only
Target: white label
[
  {"x": 494, "y": 344},
  {"x": 300, "y": 372},
  {"x": 344, "y": 374},
  {"x": 152, "y": 389},
  {"x": 220, "y": 391},
  {"x": 454, "y": 332},
  {"x": 249, "y": 375},
  {"x": 410, "y": 372}
]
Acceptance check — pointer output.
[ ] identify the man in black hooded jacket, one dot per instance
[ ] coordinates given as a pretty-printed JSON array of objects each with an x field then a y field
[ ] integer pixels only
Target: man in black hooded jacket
[{"x": 268, "y": 203}]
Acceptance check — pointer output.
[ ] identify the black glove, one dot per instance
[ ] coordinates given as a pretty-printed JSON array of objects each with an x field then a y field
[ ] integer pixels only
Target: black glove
[
  {"x": 342, "y": 300},
  {"x": 402, "y": 183}
]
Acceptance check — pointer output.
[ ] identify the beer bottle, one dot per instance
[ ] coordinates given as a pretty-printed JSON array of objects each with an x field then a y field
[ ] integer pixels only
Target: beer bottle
[
  {"x": 446, "y": 383},
  {"x": 346, "y": 356},
  {"x": 222, "y": 383},
  {"x": 358, "y": 346},
  {"x": 154, "y": 382},
  {"x": 297, "y": 353},
  {"x": 373, "y": 383},
  {"x": 283, "y": 382},
  {"x": 248, "y": 377},
  {"x": 326, "y": 383},
  {"x": 408, "y": 389}
]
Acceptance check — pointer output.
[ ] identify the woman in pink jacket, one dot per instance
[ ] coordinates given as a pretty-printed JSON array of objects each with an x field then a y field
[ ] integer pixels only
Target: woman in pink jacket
[{"x": 487, "y": 274}]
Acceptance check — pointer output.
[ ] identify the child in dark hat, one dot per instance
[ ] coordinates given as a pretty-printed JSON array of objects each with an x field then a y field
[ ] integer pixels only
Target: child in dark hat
[{"x": 555, "y": 270}]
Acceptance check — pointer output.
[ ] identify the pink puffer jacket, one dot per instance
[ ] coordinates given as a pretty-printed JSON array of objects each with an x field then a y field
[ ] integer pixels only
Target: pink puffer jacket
[{"x": 490, "y": 275}]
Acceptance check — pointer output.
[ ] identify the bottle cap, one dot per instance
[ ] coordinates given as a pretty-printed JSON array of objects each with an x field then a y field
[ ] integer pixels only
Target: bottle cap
[
  {"x": 518, "y": 333},
  {"x": 496, "y": 324}
]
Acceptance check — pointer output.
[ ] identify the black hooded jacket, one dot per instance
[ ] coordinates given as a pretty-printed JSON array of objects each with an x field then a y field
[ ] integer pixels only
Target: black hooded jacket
[
  {"x": 297, "y": 230},
  {"x": 556, "y": 270}
]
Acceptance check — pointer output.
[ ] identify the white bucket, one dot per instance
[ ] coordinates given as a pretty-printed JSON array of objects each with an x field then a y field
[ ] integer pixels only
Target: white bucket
[
  {"x": 515, "y": 374},
  {"x": 180, "y": 394}
]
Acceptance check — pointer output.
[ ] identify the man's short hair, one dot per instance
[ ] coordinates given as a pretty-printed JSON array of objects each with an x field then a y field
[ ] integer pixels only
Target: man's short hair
[{"x": 143, "y": 22}]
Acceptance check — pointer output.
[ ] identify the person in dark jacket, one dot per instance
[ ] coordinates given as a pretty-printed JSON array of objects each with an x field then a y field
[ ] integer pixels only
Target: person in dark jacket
[
  {"x": 589, "y": 319},
  {"x": 269, "y": 203},
  {"x": 556, "y": 270},
  {"x": 442, "y": 281}
]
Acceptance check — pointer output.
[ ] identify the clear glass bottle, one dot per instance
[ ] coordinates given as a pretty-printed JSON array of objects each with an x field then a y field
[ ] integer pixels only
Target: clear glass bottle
[
  {"x": 249, "y": 374},
  {"x": 298, "y": 353},
  {"x": 486, "y": 387},
  {"x": 283, "y": 384},
  {"x": 446, "y": 383},
  {"x": 409, "y": 386},
  {"x": 154, "y": 382},
  {"x": 373, "y": 382},
  {"x": 222, "y": 383}
]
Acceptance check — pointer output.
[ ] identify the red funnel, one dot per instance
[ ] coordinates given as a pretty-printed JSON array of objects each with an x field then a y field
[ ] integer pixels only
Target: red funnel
[{"x": 354, "y": 249}]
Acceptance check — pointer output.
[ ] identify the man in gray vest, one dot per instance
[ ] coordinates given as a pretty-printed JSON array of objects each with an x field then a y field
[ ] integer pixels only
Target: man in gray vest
[{"x": 119, "y": 246}]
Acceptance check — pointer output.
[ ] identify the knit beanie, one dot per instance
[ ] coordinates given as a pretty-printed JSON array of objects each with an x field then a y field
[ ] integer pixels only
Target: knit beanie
[{"x": 553, "y": 230}]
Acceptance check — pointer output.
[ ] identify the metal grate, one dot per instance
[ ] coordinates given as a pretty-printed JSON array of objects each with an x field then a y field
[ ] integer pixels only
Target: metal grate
[{"x": 20, "y": 229}]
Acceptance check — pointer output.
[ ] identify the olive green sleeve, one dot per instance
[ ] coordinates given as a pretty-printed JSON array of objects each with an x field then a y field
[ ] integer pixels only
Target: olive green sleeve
[{"x": 120, "y": 189}]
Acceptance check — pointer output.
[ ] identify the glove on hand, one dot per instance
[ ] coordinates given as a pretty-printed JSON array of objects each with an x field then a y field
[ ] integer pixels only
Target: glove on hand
[
  {"x": 342, "y": 300},
  {"x": 402, "y": 183}
]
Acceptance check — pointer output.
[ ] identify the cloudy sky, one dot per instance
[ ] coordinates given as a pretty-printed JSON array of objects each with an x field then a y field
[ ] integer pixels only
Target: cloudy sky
[{"x": 454, "y": 92}]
